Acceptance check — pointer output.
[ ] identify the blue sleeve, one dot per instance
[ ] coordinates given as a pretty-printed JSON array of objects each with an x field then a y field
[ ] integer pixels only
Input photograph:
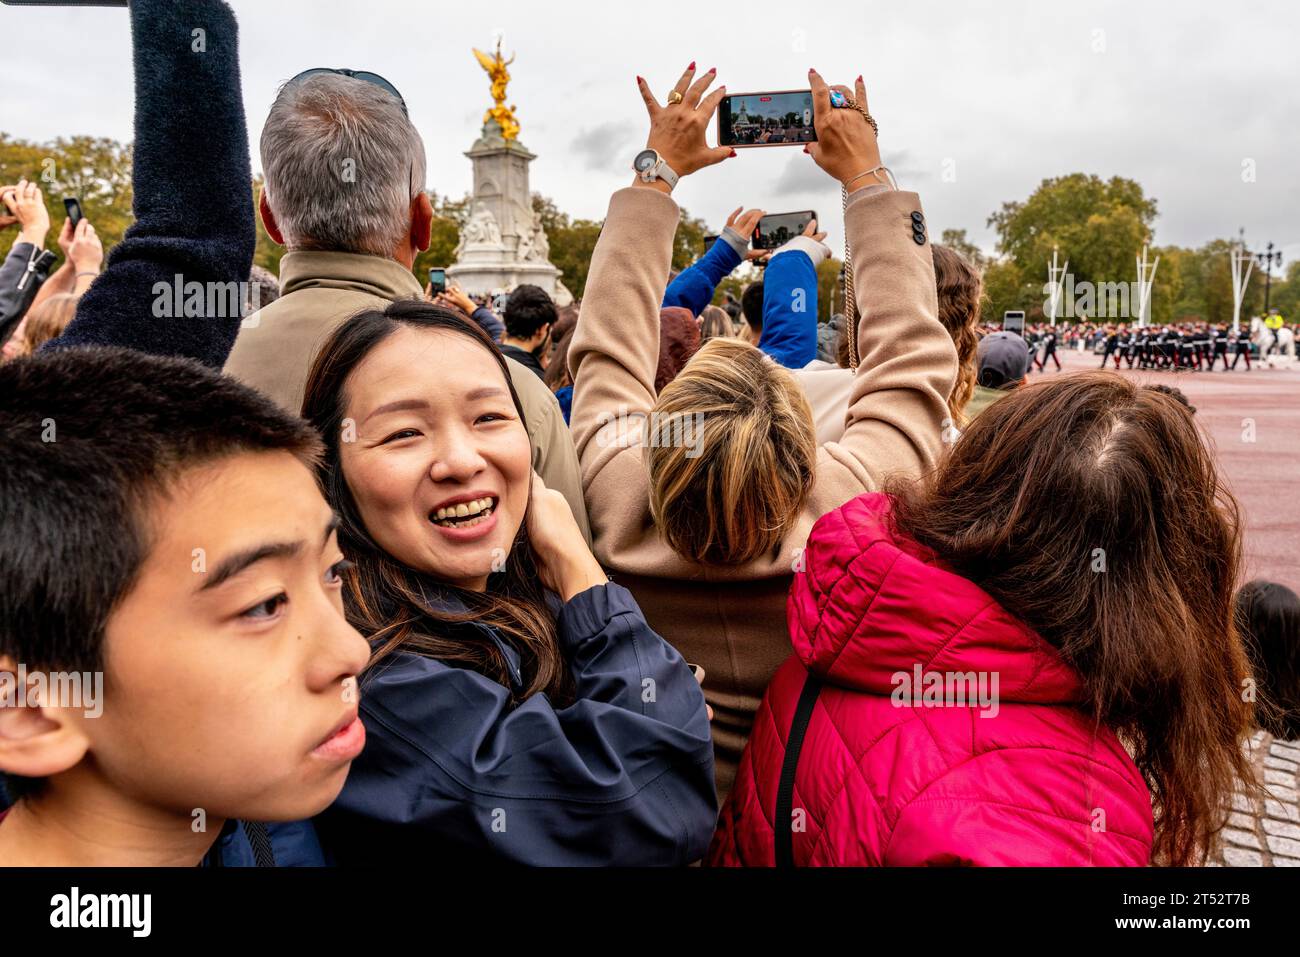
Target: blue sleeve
[
  {"x": 486, "y": 318},
  {"x": 694, "y": 286},
  {"x": 790, "y": 309},
  {"x": 624, "y": 776},
  {"x": 193, "y": 192}
]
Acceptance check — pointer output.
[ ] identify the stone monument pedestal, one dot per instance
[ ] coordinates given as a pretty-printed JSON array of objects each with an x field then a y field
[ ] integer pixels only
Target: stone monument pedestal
[{"x": 502, "y": 244}]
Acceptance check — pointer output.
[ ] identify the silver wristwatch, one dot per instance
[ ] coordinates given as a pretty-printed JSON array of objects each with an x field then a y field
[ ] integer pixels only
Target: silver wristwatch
[{"x": 650, "y": 167}]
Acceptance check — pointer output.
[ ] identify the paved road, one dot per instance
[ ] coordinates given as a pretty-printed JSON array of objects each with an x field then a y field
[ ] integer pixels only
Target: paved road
[{"x": 1253, "y": 420}]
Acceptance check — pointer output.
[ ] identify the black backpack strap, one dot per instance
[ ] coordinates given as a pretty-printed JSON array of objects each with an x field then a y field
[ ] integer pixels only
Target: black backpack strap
[
  {"x": 261, "y": 843},
  {"x": 812, "y": 687}
]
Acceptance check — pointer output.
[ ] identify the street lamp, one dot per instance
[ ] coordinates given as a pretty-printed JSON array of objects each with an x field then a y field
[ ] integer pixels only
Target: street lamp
[{"x": 1267, "y": 260}]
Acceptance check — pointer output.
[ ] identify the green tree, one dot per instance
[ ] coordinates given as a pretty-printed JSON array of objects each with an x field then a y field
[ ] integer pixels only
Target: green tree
[
  {"x": 1099, "y": 226},
  {"x": 95, "y": 170},
  {"x": 955, "y": 239}
]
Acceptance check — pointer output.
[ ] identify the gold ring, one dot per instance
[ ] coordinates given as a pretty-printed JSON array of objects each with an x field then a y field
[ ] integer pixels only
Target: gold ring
[{"x": 674, "y": 98}]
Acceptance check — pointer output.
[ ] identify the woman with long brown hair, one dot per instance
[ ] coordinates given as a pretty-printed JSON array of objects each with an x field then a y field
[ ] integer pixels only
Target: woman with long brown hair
[
  {"x": 517, "y": 705},
  {"x": 1024, "y": 662}
]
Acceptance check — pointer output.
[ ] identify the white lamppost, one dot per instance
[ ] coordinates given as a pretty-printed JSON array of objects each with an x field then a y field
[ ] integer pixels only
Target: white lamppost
[
  {"x": 1242, "y": 264},
  {"x": 1146, "y": 278},
  {"x": 1055, "y": 283}
]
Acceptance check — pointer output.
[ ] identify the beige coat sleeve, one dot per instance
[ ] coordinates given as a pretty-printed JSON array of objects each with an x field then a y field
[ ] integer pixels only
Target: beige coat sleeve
[{"x": 554, "y": 457}]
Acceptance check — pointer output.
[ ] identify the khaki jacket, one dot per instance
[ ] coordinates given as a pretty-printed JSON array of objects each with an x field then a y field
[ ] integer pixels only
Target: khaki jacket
[
  {"x": 732, "y": 621},
  {"x": 319, "y": 290}
]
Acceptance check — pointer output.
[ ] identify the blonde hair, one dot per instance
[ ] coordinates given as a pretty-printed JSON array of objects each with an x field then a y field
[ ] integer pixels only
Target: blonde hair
[
  {"x": 729, "y": 497},
  {"x": 47, "y": 321}
]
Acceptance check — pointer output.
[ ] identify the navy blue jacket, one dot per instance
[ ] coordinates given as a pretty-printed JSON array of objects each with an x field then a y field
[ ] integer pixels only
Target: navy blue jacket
[{"x": 450, "y": 771}]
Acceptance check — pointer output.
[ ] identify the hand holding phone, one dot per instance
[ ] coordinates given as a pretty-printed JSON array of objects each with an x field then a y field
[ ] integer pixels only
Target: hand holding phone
[
  {"x": 846, "y": 144},
  {"x": 437, "y": 281}
]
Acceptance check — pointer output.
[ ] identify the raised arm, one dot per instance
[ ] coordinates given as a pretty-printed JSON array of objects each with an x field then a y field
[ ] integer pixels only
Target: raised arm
[
  {"x": 193, "y": 192},
  {"x": 695, "y": 285},
  {"x": 615, "y": 348},
  {"x": 790, "y": 300},
  {"x": 907, "y": 365}
]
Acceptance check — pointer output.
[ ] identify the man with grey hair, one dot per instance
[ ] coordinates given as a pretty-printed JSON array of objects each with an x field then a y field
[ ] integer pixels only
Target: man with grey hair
[{"x": 344, "y": 193}]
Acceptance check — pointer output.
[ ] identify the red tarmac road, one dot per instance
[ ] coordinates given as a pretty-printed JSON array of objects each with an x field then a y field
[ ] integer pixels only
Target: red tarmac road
[{"x": 1264, "y": 473}]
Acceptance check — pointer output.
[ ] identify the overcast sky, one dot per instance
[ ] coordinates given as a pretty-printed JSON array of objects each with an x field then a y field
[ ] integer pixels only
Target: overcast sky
[{"x": 999, "y": 93}]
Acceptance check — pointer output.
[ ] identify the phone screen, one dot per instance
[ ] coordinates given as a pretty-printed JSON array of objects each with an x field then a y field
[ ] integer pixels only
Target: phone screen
[
  {"x": 437, "y": 281},
  {"x": 73, "y": 207},
  {"x": 1014, "y": 321},
  {"x": 779, "y": 228},
  {"x": 766, "y": 119}
]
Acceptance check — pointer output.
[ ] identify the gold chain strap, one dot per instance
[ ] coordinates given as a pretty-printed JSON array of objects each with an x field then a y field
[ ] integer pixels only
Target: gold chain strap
[{"x": 850, "y": 299}]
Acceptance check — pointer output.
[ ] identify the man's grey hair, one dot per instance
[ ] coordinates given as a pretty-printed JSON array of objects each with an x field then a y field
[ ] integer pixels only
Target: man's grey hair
[{"x": 342, "y": 162}]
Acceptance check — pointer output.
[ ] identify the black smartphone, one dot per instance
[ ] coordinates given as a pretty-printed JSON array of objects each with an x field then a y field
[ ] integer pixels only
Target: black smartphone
[
  {"x": 73, "y": 206},
  {"x": 1013, "y": 320},
  {"x": 779, "y": 228},
  {"x": 779, "y": 118},
  {"x": 437, "y": 281},
  {"x": 709, "y": 241}
]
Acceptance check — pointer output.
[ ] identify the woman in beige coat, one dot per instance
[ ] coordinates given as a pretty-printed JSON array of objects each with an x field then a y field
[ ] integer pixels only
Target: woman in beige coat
[{"x": 701, "y": 497}]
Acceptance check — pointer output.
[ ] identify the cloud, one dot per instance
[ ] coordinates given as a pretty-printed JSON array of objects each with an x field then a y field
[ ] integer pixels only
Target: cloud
[
  {"x": 802, "y": 176},
  {"x": 601, "y": 147}
]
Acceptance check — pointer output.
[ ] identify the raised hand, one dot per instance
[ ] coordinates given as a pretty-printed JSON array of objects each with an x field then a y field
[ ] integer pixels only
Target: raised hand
[
  {"x": 745, "y": 222},
  {"x": 846, "y": 144},
  {"x": 27, "y": 204},
  {"x": 564, "y": 562},
  {"x": 677, "y": 129}
]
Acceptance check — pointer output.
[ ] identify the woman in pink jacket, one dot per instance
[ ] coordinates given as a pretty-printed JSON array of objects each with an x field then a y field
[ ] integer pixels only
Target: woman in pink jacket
[{"x": 1031, "y": 659}]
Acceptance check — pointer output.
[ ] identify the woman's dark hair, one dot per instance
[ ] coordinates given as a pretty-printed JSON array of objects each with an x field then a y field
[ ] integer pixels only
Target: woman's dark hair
[
  {"x": 1269, "y": 617},
  {"x": 557, "y": 374},
  {"x": 396, "y": 607},
  {"x": 1090, "y": 508}
]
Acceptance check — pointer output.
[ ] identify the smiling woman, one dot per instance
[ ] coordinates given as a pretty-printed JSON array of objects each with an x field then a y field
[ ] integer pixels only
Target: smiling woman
[{"x": 513, "y": 689}]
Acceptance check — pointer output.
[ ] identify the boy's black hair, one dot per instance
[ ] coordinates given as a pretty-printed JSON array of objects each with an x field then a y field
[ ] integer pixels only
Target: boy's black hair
[
  {"x": 527, "y": 310},
  {"x": 751, "y": 304},
  {"x": 89, "y": 437}
]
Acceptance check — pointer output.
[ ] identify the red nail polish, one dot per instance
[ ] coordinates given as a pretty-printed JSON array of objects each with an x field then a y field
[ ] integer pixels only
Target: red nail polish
[
  {"x": 733, "y": 153},
  {"x": 713, "y": 69},
  {"x": 692, "y": 66},
  {"x": 639, "y": 80}
]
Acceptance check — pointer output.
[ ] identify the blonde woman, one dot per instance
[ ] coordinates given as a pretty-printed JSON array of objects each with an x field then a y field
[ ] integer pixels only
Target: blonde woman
[{"x": 702, "y": 496}]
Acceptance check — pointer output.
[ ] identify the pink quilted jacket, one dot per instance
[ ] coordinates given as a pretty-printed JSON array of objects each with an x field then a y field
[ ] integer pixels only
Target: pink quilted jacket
[{"x": 947, "y": 732}]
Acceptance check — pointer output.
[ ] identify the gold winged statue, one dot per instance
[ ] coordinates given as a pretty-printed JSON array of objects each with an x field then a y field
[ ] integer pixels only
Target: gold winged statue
[{"x": 496, "y": 70}]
